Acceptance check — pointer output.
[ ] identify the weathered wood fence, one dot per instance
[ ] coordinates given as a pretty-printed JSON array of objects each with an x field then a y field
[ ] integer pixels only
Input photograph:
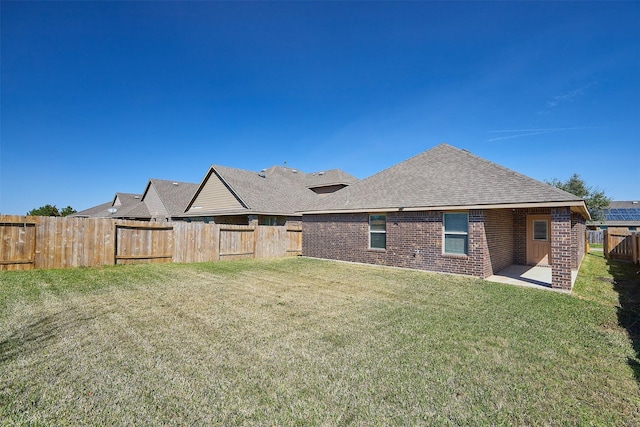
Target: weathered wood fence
[
  {"x": 595, "y": 236},
  {"x": 51, "y": 242},
  {"x": 621, "y": 244}
]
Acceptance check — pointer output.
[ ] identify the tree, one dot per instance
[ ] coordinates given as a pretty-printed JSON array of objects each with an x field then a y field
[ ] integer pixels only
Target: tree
[
  {"x": 67, "y": 211},
  {"x": 595, "y": 198},
  {"x": 51, "y": 210}
]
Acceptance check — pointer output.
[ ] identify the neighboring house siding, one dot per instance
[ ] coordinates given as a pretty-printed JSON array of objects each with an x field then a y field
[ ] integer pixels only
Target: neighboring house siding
[
  {"x": 215, "y": 196},
  {"x": 154, "y": 204},
  {"x": 414, "y": 240}
]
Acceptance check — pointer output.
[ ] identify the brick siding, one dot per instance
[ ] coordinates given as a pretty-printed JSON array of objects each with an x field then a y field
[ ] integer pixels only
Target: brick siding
[
  {"x": 414, "y": 240},
  {"x": 561, "y": 248},
  {"x": 578, "y": 239},
  {"x": 500, "y": 232},
  {"x": 497, "y": 239}
]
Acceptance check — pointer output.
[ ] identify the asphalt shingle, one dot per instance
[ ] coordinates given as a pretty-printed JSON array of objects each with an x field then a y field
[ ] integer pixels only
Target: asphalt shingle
[{"x": 441, "y": 176}]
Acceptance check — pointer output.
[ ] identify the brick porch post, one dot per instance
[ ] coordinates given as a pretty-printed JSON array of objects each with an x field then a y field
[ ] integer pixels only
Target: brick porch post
[{"x": 561, "y": 248}]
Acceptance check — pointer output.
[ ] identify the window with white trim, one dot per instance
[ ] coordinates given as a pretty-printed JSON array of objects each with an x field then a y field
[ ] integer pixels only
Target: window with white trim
[
  {"x": 377, "y": 231},
  {"x": 456, "y": 233}
]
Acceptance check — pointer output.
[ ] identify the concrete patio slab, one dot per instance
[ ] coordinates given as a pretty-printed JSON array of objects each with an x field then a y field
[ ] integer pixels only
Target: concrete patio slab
[{"x": 529, "y": 276}]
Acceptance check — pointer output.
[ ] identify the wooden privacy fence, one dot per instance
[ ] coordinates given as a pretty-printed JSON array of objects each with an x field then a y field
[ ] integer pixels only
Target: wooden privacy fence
[
  {"x": 595, "y": 236},
  {"x": 51, "y": 242},
  {"x": 621, "y": 244}
]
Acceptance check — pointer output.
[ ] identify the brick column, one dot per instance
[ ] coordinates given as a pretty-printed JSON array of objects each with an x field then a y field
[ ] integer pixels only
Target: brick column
[{"x": 561, "y": 248}]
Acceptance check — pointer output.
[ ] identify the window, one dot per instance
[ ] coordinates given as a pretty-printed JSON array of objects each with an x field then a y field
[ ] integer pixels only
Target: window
[
  {"x": 377, "y": 231},
  {"x": 270, "y": 220},
  {"x": 456, "y": 235},
  {"x": 540, "y": 230}
]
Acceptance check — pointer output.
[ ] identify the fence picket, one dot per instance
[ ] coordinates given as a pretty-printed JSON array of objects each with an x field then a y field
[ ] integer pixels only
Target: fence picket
[{"x": 50, "y": 242}]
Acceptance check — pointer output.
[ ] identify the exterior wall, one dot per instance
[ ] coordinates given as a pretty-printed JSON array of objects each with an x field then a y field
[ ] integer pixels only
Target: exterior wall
[
  {"x": 500, "y": 234},
  {"x": 154, "y": 205},
  {"x": 520, "y": 232},
  {"x": 214, "y": 196},
  {"x": 414, "y": 240},
  {"x": 497, "y": 239},
  {"x": 561, "y": 248},
  {"x": 578, "y": 239}
]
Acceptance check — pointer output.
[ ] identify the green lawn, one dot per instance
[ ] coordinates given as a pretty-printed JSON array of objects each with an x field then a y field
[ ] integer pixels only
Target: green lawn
[{"x": 308, "y": 342}]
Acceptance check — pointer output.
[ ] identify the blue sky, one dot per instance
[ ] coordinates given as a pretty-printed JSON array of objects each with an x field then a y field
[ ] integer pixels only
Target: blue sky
[{"x": 98, "y": 97}]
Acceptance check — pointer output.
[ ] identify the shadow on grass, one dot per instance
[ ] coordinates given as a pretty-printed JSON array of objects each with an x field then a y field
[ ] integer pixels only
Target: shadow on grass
[
  {"x": 626, "y": 282},
  {"x": 37, "y": 335}
]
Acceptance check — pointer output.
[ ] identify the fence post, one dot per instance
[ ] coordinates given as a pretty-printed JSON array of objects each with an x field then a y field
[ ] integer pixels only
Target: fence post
[{"x": 605, "y": 243}]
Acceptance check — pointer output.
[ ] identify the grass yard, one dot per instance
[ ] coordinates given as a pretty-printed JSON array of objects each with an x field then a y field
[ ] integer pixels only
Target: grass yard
[{"x": 308, "y": 342}]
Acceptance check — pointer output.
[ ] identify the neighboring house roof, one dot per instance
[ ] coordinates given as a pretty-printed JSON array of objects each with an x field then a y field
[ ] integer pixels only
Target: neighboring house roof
[
  {"x": 167, "y": 198},
  {"x": 328, "y": 178},
  {"x": 276, "y": 191},
  {"x": 445, "y": 177},
  {"x": 99, "y": 211},
  {"x": 126, "y": 205},
  {"x": 621, "y": 214},
  {"x": 129, "y": 205}
]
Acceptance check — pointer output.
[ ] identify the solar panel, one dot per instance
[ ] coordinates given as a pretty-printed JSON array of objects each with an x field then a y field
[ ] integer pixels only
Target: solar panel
[{"x": 619, "y": 214}]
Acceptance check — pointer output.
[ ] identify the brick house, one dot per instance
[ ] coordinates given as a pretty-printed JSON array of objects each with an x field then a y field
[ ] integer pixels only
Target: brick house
[{"x": 447, "y": 210}]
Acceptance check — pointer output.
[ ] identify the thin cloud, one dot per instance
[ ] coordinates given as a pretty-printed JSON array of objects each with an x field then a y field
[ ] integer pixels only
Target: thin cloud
[
  {"x": 519, "y": 133},
  {"x": 567, "y": 97}
]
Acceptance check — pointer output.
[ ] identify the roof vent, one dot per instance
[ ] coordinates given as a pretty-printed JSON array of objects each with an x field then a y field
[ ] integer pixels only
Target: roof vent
[
  {"x": 294, "y": 170},
  {"x": 320, "y": 173},
  {"x": 175, "y": 183},
  {"x": 261, "y": 175},
  {"x": 263, "y": 170},
  {"x": 136, "y": 197},
  {"x": 634, "y": 202}
]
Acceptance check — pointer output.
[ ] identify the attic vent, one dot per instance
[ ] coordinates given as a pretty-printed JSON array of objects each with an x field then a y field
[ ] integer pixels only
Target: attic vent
[
  {"x": 261, "y": 175},
  {"x": 175, "y": 183}
]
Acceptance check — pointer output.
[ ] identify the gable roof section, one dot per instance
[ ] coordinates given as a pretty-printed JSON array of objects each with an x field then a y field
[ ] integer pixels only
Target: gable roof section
[
  {"x": 99, "y": 211},
  {"x": 129, "y": 205},
  {"x": 328, "y": 178},
  {"x": 173, "y": 195},
  {"x": 276, "y": 191},
  {"x": 445, "y": 177}
]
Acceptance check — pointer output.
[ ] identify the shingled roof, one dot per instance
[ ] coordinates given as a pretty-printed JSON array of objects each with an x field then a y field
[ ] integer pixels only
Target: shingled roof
[
  {"x": 99, "y": 211},
  {"x": 444, "y": 177},
  {"x": 129, "y": 205},
  {"x": 277, "y": 190},
  {"x": 328, "y": 178},
  {"x": 126, "y": 205},
  {"x": 174, "y": 195}
]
